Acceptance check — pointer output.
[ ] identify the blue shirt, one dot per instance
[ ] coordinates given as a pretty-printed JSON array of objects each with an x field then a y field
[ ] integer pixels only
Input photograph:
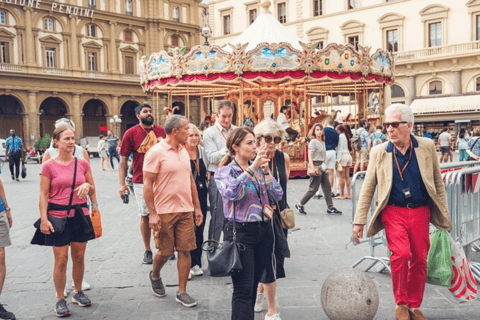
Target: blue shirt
[
  {"x": 427, "y": 135},
  {"x": 411, "y": 178},
  {"x": 2, "y": 204},
  {"x": 112, "y": 142},
  {"x": 331, "y": 138},
  {"x": 13, "y": 144}
]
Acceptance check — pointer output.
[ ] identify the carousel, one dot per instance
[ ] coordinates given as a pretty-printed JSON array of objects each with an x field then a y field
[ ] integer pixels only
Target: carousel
[{"x": 266, "y": 68}]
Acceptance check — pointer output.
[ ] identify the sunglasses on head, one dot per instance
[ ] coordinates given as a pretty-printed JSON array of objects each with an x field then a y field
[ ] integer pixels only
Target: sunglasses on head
[
  {"x": 394, "y": 124},
  {"x": 269, "y": 139}
]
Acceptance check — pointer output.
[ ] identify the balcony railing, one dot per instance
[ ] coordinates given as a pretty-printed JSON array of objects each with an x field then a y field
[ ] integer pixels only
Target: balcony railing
[
  {"x": 95, "y": 74},
  {"x": 131, "y": 77},
  {"x": 60, "y": 72},
  {"x": 437, "y": 51},
  {"x": 10, "y": 67}
]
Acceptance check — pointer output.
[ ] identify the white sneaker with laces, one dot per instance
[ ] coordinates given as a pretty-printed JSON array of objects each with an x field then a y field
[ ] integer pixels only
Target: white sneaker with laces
[
  {"x": 276, "y": 316},
  {"x": 196, "y": 271},
  {"x": 85, "y": 285},
  {"x": 259, "y": 302}
]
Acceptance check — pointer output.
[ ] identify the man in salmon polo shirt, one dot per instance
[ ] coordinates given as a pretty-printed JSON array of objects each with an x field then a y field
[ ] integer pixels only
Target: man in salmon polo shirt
[{"x": 172, "y": 200}]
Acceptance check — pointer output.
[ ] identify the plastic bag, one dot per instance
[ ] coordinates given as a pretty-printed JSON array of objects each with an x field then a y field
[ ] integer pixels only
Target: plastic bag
[
  {"x": 439, "y": 261},
  {"x": 463, "y": 285}
]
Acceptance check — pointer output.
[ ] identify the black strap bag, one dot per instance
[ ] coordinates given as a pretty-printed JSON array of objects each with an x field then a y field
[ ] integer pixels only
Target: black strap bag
[
  {"x": 224, "y": 258},
  {"x": 24, "y": 170}
]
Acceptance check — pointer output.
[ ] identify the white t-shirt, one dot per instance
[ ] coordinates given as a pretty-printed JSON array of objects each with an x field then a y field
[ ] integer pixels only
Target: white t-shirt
[
  {"x": 444, "y": 139},
  {"x": 281, "y": 119},
  {"x": 78, "y": 152}
]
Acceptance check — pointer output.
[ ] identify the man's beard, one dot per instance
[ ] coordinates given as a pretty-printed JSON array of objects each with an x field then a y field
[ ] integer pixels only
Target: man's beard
[{"x": 148, "y": 121}]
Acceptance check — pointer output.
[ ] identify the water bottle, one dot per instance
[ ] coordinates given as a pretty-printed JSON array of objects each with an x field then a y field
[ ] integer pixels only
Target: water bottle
[{"x": 126, "y": 198}]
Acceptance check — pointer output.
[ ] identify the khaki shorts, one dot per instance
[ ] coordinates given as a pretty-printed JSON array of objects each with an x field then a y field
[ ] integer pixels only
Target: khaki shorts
[
  {"x": 361, "y": 156},
  {"x": 346, "y": 160},
  {"x": 142, "y": 206},
  {"x": 177, "y": 232},
  {"x": 4, "y": 231}
]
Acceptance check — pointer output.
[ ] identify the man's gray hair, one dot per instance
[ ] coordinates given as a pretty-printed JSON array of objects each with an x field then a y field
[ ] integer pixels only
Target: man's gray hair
[
  {"x": 407, "y": 112},
  {"x": 266, "y": 127},
  {"x": 225, "y": 104},
  {"x": 330, "y": 121},
  {"x": 173, "y": 122}
]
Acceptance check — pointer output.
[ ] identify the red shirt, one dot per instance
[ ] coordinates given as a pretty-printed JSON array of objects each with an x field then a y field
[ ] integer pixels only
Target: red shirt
[{"x": 132, "y": 139}]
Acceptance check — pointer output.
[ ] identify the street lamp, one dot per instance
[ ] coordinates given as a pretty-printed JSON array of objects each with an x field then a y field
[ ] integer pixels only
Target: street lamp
[
  {"x": 115, "y": 121},
  {"x": 206, "y": 30}
]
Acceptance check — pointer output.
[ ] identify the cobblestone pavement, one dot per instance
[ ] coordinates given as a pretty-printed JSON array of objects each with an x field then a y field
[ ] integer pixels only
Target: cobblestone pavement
[{"x": 120, "y": 287}]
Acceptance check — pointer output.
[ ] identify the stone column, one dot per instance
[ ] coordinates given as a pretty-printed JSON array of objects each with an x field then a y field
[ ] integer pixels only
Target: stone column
[
  {"x": 29, "y": 37},
  {"x": 113, "y": 48},
  {"x": 457, "y": 76},
  {"x": 33, "y": 116},
  {"x": 115, "y": 111},
  {"x": 412, "y": 89},
  {"x": 74, "y": 43},
  {"x": 77, "y": 116}
]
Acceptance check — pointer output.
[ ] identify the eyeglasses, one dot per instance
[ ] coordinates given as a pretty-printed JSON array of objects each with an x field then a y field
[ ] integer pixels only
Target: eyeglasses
[
  {"x": 394, "y": 124},
  {"x": 269, "y": 139}
]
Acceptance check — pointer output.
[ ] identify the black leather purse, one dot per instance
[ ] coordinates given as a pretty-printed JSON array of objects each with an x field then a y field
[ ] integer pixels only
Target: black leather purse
[{"x": 224, "y": 258}]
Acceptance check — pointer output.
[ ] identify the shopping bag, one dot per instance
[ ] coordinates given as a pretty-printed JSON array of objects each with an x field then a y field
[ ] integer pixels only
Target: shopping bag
[
  {"x": 24, "y": 170},
  {"x": 96, "y": 218},
  {"x": 439, "y": 261},
  {"x": 463, "y": 285}
]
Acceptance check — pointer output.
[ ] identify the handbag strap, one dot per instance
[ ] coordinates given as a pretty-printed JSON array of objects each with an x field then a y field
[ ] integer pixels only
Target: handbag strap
[{"x": 73, "y": 187}]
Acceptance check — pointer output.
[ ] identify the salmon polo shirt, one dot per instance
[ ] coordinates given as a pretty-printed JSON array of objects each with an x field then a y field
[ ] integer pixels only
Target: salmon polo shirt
[{"x": 172, "y": 189}]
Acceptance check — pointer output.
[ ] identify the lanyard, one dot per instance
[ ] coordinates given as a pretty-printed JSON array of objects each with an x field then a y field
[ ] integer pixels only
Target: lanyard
[
  {"x": 400, "y": 172},
  {"x": 223, "y": 135}
]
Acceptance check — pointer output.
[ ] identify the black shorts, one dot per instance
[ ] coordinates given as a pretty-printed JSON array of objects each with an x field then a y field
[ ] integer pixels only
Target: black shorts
[{"x": 77, "y": 229}]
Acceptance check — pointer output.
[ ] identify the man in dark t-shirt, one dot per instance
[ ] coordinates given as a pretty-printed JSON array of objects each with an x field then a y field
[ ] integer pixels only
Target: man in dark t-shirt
[{"x": 137, "y": 141}]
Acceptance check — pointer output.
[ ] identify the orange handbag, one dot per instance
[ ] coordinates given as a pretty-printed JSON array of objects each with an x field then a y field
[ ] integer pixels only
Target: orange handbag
[{"x": 96, "y": 218}]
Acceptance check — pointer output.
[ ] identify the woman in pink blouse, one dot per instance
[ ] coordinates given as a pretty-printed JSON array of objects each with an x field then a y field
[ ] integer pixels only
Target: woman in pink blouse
[
  {"x": 59, "y": 202},
  {"x": 247, "y": 187}
]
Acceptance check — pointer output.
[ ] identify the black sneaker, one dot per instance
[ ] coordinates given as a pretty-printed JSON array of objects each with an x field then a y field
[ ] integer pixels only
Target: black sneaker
[
  {"x": 81, "y": 299},
  {"x": 333, "y": 210},
  {"x": 4, "y": 314},
  {"x": 18, "y": 180},
  {"x": 13, "y": 177},
  {"x": 172, "y": 257},
  {"x": 300, "y": 209},
  {"x": 147, "y": 257},
  {"x": 158, "y": 288},
  {"x": 61, "y": 309}
]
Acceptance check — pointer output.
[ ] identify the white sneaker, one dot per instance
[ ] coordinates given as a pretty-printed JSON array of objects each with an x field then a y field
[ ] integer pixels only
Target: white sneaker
[
  {"x": 259, "y": 302},
  {"x": 190, "y": 275},
  {"x": 196, "y": 271},
  {"x": 85, "y": 285},
  {"x": 276, "y": 316}
]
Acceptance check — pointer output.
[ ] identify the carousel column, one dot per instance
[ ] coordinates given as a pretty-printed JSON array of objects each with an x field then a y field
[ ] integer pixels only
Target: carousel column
[
  {"x": 387, "y": 100},
  {"x": 33, "y": 117},
  {"x": 77, "y": 116}
]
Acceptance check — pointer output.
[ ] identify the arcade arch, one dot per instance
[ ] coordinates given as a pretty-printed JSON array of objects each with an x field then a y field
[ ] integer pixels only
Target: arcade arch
[
  {"x": 51, "y": 110},
  {"x": 94, "y": 118},
  {"x": 11, "y": 116}
]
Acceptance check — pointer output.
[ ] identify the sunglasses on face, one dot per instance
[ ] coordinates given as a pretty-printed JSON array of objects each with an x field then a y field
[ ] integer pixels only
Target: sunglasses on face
[
  {"x": 269, "y": 139},
  {"x": 394, "y": 124}
]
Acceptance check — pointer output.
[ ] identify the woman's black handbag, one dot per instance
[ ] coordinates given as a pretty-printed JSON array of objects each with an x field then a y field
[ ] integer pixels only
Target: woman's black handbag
[
  {"x": 24, "y": 170},
  {"x": 224, "y": 258}
]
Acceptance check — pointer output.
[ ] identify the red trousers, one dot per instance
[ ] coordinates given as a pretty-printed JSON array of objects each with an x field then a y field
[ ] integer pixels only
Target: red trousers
[{"x": 408, "y": 239}]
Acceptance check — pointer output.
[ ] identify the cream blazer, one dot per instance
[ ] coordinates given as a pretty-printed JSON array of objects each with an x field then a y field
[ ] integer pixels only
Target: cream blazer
[{"x": 380, "y": 175}]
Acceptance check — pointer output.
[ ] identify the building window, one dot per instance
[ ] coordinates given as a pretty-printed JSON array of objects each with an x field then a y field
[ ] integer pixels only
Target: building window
[
  {"x": 50, "y": 57},
  {"x": 282, "y": 12},
  {"x": 129, "y": 65},
  {"x": 317, "y": 8},
  {"x": 128, "y": 7},
  {"x": 92, "y": 4},
  {"x": 478, "y": 85},
  {"x": 92, "y": 61},
  {"x": 353, "y": 40},
  {"x": 5, "y": 54},
  {"x": 226, "y": 24},
  {"x": 91, "y": 30},
  {"x": 175, "y": 41},
  {"x": 477, "y": 22},
  {"x": 252, "y": 15},
  {"x": 352, "y": 4},
  {"x": 435, "y": 87},
  {"x": 319, "y": 45},
  {"x": 176, "y": 14},
  {"x": 435, "y": 34},
  {"x": 397, "y": 92},
  {"x": 49, "y": 24},
  {"x": 392, "y": 40},
  {"x": 3, "y": 17},
  {"x": 128, "y": 36}
]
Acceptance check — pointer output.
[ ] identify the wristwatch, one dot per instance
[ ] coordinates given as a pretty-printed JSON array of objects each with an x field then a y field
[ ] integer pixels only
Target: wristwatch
[
  {"x": 95, "y": 204},
  {"x": 8, "y": 209}
]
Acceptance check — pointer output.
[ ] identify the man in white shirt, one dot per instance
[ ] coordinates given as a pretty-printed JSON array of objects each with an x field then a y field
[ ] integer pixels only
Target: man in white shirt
[
  {"x": 282, "y": 120},
  {"x": 444, "y": 141},
  {"x": 215, "y": 141}
]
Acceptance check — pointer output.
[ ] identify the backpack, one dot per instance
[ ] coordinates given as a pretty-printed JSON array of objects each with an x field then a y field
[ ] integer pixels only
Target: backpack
[
  {"x": 356, "y": 143},
  {"x": 377, "y": 140}
]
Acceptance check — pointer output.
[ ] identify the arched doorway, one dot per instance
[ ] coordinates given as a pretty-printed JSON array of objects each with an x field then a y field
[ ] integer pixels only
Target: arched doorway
[
  {"x": 51, "y": 110},
  {"x": 128, "y": 116},
  {"x": 10, "y": 116},
  {"x": 94, "y": 120}
]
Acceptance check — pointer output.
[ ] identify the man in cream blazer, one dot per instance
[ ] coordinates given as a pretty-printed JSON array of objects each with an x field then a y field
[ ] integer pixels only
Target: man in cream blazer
[{"x": 406, "y": 172}]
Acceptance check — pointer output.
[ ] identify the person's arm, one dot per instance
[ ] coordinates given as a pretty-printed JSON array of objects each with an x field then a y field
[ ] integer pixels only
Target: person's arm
[
  {"x": 86, "y": 156},
  {"x": 214, "y": 155},
  {"x": 45, "y": 225},
  {"x": 21, "y": 149},
  {"x": 122, "y": 173},
  {"x": 6, "y": 149},
  {"x": 46, "y": 156},
  {"x": 196, "y": 203},
  {"x": 154, "y": 219},
  {"x": 311, "y": 151},
  {"x": 287, "y": 164},
  {"x": 8, "y": 212}
]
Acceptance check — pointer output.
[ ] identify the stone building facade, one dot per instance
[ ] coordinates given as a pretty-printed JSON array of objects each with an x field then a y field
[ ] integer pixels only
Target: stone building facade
[
  {"x": 436, "y": 44},
  {"x": 78, "y": 59}
]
